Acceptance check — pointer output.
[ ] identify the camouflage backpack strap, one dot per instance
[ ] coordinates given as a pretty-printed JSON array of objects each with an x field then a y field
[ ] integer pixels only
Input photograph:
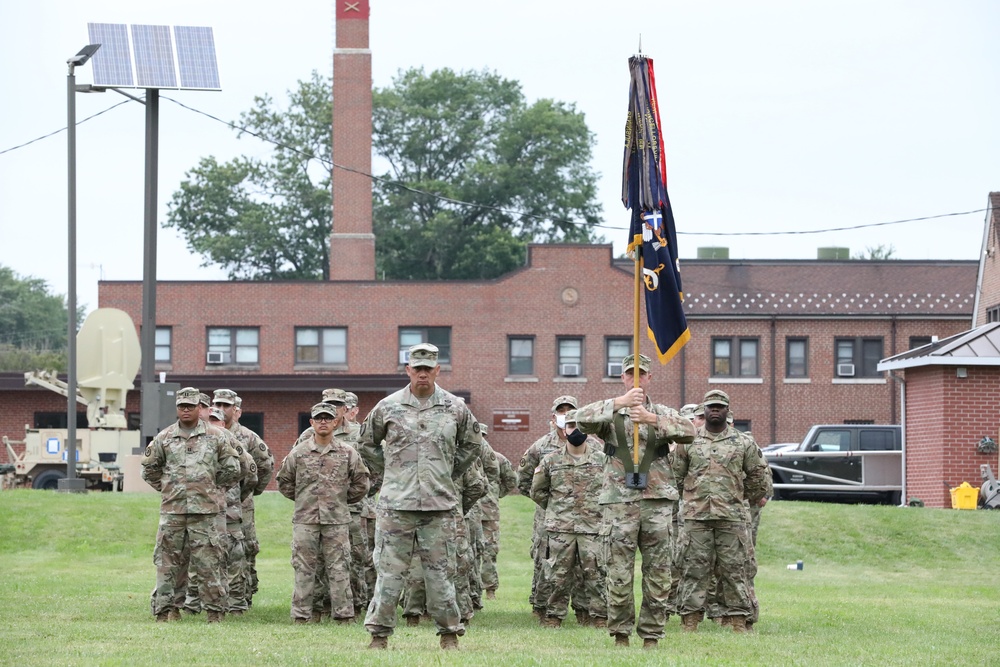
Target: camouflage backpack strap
[
  {"x": 652, "y": 451},
  {"x": 621, "y": 451}
]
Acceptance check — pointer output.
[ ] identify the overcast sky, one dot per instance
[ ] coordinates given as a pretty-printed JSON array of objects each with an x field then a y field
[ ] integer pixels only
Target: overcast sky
[{"x": 778, "y": 116}]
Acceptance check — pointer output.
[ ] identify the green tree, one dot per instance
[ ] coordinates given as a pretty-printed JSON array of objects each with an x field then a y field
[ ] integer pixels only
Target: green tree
[
  {"x": 32, "y": 324},
  {"x": 459, "y": 136}
]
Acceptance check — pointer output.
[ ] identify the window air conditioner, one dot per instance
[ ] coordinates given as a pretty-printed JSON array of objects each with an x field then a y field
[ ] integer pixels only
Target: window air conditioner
[
  {"x": 569, "y": 369},
  {"x": 214, "y": 358},
  {"x": 404, "y": 357},
  {"x": 614, "y": 368},
  {"x": 845, "y": 370}
]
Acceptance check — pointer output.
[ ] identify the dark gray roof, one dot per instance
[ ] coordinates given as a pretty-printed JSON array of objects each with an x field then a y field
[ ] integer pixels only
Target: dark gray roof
[{"x": 975, "y": 347}]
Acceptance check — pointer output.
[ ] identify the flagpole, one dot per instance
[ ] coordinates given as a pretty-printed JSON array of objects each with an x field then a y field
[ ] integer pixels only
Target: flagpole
[{"x": 636, "y": 369}]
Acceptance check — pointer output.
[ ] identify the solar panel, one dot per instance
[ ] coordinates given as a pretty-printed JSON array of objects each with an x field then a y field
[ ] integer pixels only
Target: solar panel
[
  {"x": 154, "y": 56},
  {"x": 113, "y": 62},
  {"x": 162, "y": 53},
  {"x": 196, "y": 58}
]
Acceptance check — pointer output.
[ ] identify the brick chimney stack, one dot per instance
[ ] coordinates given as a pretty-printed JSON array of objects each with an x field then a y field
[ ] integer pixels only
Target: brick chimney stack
[{"x": 352, "y": 243}]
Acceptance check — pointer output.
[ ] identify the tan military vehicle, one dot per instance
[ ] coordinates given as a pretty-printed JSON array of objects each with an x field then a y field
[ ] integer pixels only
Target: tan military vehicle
[{"x": 107, "y": 363}]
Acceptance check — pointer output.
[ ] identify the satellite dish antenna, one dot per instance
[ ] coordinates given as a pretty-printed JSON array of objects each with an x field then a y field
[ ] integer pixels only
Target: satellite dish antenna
[{"x": 106, "y": 366}]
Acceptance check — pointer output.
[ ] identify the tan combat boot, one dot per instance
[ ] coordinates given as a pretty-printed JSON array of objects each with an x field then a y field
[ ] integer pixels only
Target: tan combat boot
[
  {"x": 491, "y": 594},
  {"x": 649, "y": 643},
  {"x": 449, "y": 641},
  {"x": 379, "y": 643},
  {"x": 739, "y": 624},
  {"x": 215, "y": 616},
  {"x": 621, "y": 641},
  {"x": 174, "y": 615},
  {"x": 163, "y": 617},
  {"x": 582, "y": 617},
  {"x": 347, "y": 620},
  {"x": 551, "y": 622},
  {"x": 598, "y": 622},
  {"x": 412, "y": 621},
  {"x": 690, "y": 622}
]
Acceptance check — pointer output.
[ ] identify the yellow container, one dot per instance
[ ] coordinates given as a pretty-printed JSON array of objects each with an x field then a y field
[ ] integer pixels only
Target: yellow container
[{"x": 964, "y": 497}]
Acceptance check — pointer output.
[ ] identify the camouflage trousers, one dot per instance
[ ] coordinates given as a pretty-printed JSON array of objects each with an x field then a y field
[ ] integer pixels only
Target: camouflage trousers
[
  {"x": 721, "y": 548},
  {"x": 675, "y": 563},
  {"x": 432, "y": 537},
  {"x": 491, "y": 547},
  {"x": 415, "y": 595},
  {"x": 714, "y": 605},
  {"x": 238, "y": 579},
  {"x": 645, "y": 526},
  {"x": 474, "y": 527},
  {"x": 370, "y": 567},
  {"x": 539, "y": 545},
  {"x": 189, "y": 542},
  {"x": 569, "y": 555},
  {"x": 251, "y": 546},
  {"x": 327, "y": 546}
]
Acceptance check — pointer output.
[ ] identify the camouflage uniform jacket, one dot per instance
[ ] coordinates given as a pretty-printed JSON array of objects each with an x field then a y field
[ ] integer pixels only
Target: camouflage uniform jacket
[
  {"x": 508, "y": 476},
  {"x": 711, "y": 472},
  {"x": 489, "y": 506},
  {"x": 261, "y": 456},
  {"x": 323, "y": 480},
  {"x": 192, "y": 473},
  {"x": 472, "y": 487},
  {"x": 567, "y": 487},
  {"x": 419, "y": 451},
  {"x": 248, "y": 480},
  {"x": 538, "y": 450},
  {"x": 598, "y": 419}
]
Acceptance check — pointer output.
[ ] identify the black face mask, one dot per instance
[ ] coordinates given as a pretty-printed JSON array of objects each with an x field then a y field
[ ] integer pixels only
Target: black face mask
[{"x": 576, "y": 437}]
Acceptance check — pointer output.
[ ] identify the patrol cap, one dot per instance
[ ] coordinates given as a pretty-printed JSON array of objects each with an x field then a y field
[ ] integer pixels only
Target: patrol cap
[
  {"x": 716, "y": 397},
  {"x": 628, "y": 363},
  {"x": 239, "y": 402},
  {"x": 688, "y": 410},
  {"x": 324, "y": 409},
  {"x": 217, "y": 413},
  {"x": 565, "y": 400},
  {"x": 423, "y": 355},
  {"x": 203, "y": 399},
  {"x": 700, "y": 410},
  {"x": 352, "y": 399},
  {"x": 335, "y": 396},
  {"x": 224, "y": 396},
  {"x": 571, "y": 417},
  {"x": 187, "y": 396}
]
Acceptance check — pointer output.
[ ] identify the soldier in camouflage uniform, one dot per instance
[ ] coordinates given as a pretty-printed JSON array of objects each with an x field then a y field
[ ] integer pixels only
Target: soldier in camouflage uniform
[
  {"x": 191, "y": 464},
  {"x": 323, "y": 476},
  {"x": 238, "y": 575},
  {"x": 232, "y": 407},
  {"x": 420, "y": 438},
  {"x": 474, "y": 519},
  {"x": 567, "y": 484},
  {"x": 635, "y": 518},
  {"x": 716, "y": 473},
  {"x": 367, "y": 505},
  {"x": 506, "y": 482},
  {"x": 553, "y": 441}
]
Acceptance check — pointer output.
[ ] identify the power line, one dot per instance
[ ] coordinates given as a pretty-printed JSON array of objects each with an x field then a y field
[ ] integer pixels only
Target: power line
[{"x": 459, "y": 202}]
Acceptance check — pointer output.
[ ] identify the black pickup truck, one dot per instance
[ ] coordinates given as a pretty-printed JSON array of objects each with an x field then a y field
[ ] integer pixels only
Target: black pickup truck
[{"x": 841, "y": 462}]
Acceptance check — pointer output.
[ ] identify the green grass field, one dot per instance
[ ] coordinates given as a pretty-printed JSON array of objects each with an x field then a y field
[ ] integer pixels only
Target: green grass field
[{"x": 880, "y": 586}]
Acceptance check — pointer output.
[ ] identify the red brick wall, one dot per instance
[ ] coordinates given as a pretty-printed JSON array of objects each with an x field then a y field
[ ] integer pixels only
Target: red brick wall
[
  {"x": 989, "y": 296},
  {"x": 946, "y": 417}
]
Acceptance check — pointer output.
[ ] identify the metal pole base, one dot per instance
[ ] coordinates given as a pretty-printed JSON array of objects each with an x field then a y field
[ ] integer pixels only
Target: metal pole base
[
  {"x": 636, "y": 480},
  {"x": 74, "y": 485}
]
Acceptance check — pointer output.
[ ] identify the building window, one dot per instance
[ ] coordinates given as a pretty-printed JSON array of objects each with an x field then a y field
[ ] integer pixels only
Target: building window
[
  {"x": 521, "y": 353},
  {"x": 796, "y": 357},
  {"x": 161, "y": 346},
  {"x": 919, "y": 341},
  {"x": 570, "y": 357},
  {"x": 321, "y": 346},
  {"x": 616, "y": 349},
  {"x": 858, "y": 357},
  {"x": 735, "y": 357},
  {"x": 743, "y": 426},
  {"x": 439, "y": 336},
  {"x": 254, "y": 421},
  {"x": 993, "y": 314},
  {"x": 233, "y": 345}
]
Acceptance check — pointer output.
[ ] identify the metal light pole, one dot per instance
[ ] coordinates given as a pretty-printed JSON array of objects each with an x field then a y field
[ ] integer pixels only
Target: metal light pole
[{"x": 72, "y": 483}]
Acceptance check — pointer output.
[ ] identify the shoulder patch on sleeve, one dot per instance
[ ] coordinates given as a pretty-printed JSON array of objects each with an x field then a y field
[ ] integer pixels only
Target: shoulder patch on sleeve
[
  {"x": 524, "y": 459},
  {"x": 263, "y": 447},
  {"x": 475, "y": 427},
  {"x": 239, "y": 449},
  {"x": 253, "y": 467},
  {"x": 493, "y": 457},
  {"x": 149, "y": 451}
]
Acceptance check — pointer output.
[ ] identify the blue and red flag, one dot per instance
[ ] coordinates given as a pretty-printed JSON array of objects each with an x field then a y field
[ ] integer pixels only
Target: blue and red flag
[{"x": 652, "y": 234}]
